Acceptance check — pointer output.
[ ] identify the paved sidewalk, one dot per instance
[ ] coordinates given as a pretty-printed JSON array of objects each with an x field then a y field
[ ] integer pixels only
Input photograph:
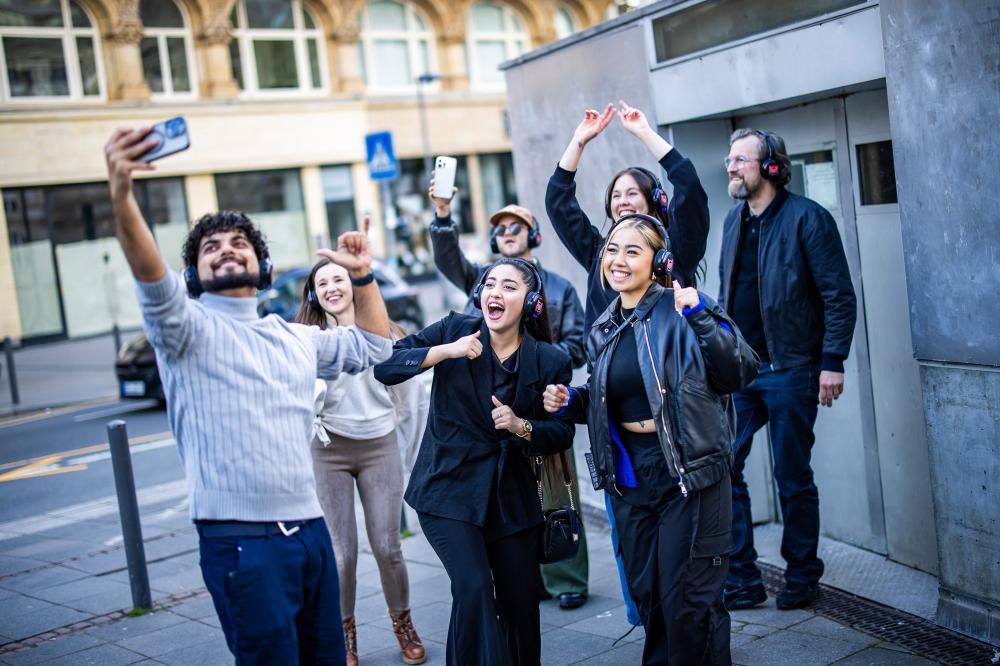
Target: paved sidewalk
[{"x": 64, "y": 591}]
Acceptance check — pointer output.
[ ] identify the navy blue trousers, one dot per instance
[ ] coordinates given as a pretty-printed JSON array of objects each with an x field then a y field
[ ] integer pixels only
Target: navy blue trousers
[
  {"x": 277, "y": 596},
  {"x": 787, "y": 402}
]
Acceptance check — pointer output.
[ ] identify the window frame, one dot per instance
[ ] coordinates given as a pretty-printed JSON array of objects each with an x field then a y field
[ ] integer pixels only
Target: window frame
[
  {"x": 166, "y": 71},
  {"x": 574, "y": 22},
  {"x": 299, "y": 35},
  {"x": 509, "y": 36},
  {"x": 412, "y": 36},
  {"x": 67, "y": 33}
]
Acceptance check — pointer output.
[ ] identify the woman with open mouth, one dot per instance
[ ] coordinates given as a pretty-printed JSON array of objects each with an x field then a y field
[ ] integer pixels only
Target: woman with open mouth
[
  {"x": 359, "y": 422},
  {"x": 473, "y": 485},
  {"x": 660, "y": 421}
]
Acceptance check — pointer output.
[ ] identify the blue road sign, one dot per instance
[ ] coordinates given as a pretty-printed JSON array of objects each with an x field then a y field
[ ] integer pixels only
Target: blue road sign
[{"x": 382, "y": 162}]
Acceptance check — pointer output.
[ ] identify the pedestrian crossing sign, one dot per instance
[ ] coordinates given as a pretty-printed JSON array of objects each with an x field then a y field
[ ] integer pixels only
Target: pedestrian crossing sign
[{"x": 382, "y": 162}]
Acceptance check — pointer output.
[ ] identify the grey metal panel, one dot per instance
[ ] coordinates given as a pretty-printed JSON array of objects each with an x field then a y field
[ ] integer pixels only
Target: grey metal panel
[
  {"x": 784, "y": 66},
  {"x": 962, "y": 409},
  {"x": 943, "y": 79},
  {"x": 706, "y": 143},
  {"x": 895, "y": 376},
  {"x": 547, "y": 97},
  {"x": 845, "y": 459}
]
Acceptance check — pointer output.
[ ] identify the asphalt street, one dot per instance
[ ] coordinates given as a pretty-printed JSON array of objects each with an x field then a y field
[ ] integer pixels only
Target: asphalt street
[{"x": 53, "y": 460}]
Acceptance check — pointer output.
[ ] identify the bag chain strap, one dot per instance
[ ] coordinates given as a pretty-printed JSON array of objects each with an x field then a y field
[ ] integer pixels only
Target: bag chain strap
[{"x": 567, "y": 479}]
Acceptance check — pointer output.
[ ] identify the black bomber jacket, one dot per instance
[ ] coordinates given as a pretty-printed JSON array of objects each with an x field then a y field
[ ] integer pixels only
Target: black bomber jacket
[{"x": 689, "y": 365}]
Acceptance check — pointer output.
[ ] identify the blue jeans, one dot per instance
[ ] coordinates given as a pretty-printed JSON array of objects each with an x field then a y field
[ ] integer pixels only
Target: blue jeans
[
  {"x": 277, "y": 597},
  {"x": 787, "y": 402}
]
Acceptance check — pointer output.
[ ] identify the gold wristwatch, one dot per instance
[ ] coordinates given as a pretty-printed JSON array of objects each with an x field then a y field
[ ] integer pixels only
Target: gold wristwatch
[{"x": 525, "y": 429}]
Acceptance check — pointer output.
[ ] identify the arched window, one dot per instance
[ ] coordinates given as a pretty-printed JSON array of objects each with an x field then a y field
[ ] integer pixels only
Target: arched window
[
  {"x": 49, "y": 50},
  {"x": 565, "y": 22},
  {"x": 276, "y": 47},
  {"x": 496, "y": 34},
  {"x": 396, "y": 44},
  {"x": 166, "y": 49}
]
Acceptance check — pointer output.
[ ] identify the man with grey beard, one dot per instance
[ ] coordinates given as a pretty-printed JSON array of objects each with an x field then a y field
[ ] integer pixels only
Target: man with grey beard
[{"x": 784, "y": 279}]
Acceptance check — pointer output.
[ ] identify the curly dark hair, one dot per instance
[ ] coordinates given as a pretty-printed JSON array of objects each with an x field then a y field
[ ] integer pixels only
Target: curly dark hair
[{"x": 224, "y": 220}]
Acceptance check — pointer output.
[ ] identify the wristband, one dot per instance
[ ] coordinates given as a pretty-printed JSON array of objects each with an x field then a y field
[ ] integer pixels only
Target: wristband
[{"x": 360, "y": 282}]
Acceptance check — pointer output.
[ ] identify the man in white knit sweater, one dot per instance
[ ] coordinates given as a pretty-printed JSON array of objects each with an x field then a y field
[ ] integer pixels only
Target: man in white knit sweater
[{"x": 239, "y": 395}]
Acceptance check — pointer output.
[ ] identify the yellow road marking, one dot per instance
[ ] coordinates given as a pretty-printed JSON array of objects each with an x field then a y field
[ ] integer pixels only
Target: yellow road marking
[
  {"x": 23, "y": 468},
  {"x": 50, "y": 412}
]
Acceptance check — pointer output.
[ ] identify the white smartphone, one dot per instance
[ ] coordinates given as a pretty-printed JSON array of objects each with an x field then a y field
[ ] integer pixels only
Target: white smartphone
[{"x": 444, "y": 176}]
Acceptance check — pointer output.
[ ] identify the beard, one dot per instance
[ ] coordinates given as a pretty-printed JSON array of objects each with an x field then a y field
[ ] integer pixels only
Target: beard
[
  {"x": 230, "y": 281},
  {"x": 740, "y": 190}
]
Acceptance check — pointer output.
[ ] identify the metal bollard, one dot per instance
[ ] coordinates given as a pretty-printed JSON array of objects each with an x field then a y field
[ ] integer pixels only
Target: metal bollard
[
  {"x": 8, "y": 350},
  {"x": 128, "y": 510}
]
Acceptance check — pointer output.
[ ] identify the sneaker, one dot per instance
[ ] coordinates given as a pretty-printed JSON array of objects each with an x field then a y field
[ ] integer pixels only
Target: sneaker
[
  {"x": 796, "y": 596},
  {"x": 743, "y": 597}
]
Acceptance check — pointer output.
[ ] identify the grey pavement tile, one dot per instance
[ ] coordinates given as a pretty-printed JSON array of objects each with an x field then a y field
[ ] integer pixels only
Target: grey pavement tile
[
  {"x": 211, "y": 620},
  {"x": 372, "y": 608},
  {"x": 563, "y": 646},
  {"x": 184, "y": 542},
  {"x": 624, "y": 654},
  {"x": 756, "y": 630},
  {"x": 876, "y": 656},
  {"x": 56, "y": 647},
  {"x": 78, "y": 589},
  {"x": 739, "y": 640},
  {"x": 821, "y": 626},
  {"x": 20, "y": 604},
  {"x": 45, "y": 619},
  {"x": 188, "y": 580},
  {"x": 611, "y": 623},
  {"x": 161, "y": 641},
  {"x": 44, "y": 548},
  {"x": 101, "y": 655},
  {"x": 42, "y": 579},
  {"x": 767, "y": 614},
  {"x": 195, "y": 609},
  {"x": 792, "y": 648},
  {"x": 372, "y": 638},
  {"x": 211, "y": 653},
  {"x": 101, "y": 603},
  {"x": 12, "y": 565},
  {"x": 100, "y": 564},
  {"x": 92, "y": 532},
  {"x": 129, "y": 627},
  {"x": 551, "y": 613},
  {"x": 427, "y": 591}
]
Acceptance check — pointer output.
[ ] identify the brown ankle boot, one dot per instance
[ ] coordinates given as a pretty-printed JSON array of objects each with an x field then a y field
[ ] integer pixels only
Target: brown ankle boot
[
  {"x": 409, "y": 642},
  {"x": 351, "y": 641}
]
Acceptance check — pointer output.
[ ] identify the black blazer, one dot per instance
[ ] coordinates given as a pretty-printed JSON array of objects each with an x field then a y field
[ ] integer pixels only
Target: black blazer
[{"x": 462, "y": 457}]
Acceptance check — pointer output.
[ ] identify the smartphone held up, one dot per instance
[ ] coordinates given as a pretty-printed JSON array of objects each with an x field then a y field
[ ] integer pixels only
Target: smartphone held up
[
  {"x": 444, "y": 176},
  {"x": 172, "y": 137}
]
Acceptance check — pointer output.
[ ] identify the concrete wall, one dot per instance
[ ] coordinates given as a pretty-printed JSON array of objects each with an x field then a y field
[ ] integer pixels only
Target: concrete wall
[{"x": 943, "y": 82}]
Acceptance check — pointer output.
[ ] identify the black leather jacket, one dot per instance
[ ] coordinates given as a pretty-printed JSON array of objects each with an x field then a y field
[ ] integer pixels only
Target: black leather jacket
[
  {"x": 561, "y": 300},
  {"x": 689, "y": 367}
]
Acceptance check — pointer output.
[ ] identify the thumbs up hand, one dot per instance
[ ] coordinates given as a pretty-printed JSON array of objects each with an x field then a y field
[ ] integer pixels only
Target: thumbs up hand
[
  {"x": 685, "y": 297},
  {"x": 504, "y": 418}
]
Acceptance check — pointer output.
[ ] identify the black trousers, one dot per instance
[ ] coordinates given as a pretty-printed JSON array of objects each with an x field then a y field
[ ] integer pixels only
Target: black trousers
[
  {"x": 675, "y": 553},
  {"x": 494, "y": 589}
]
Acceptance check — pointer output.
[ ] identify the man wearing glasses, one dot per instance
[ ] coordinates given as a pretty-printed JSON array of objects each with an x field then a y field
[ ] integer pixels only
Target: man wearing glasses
[
  {"x": 514, "y": 234},
  {"x": 784, "y": 280}
]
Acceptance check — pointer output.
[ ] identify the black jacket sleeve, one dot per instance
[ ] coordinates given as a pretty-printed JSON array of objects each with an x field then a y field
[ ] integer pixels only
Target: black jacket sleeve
[
  {"x": 448, "y": 256},
  {"x": 577, "y": 234},
  {"x": 571, "y": 328},
  {"x": 551, "y": 434},
  {"x": 410, "y": 352},
  {"x": 730, "y": 362},
  {"x": 688, "y": 214},
  {"x": 827, "y": 262}
]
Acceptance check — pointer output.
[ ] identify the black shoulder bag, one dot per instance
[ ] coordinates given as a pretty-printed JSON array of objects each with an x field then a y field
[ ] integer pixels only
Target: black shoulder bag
[{"x": 560, "y": 536}]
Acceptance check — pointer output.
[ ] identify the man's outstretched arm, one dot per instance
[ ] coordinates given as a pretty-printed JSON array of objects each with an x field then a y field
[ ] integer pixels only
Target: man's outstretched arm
[{"x": 122, "y": 154}]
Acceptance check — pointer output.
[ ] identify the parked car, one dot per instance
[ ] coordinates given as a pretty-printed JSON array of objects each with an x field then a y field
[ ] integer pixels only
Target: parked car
[{"x": 136, "y": 369}]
